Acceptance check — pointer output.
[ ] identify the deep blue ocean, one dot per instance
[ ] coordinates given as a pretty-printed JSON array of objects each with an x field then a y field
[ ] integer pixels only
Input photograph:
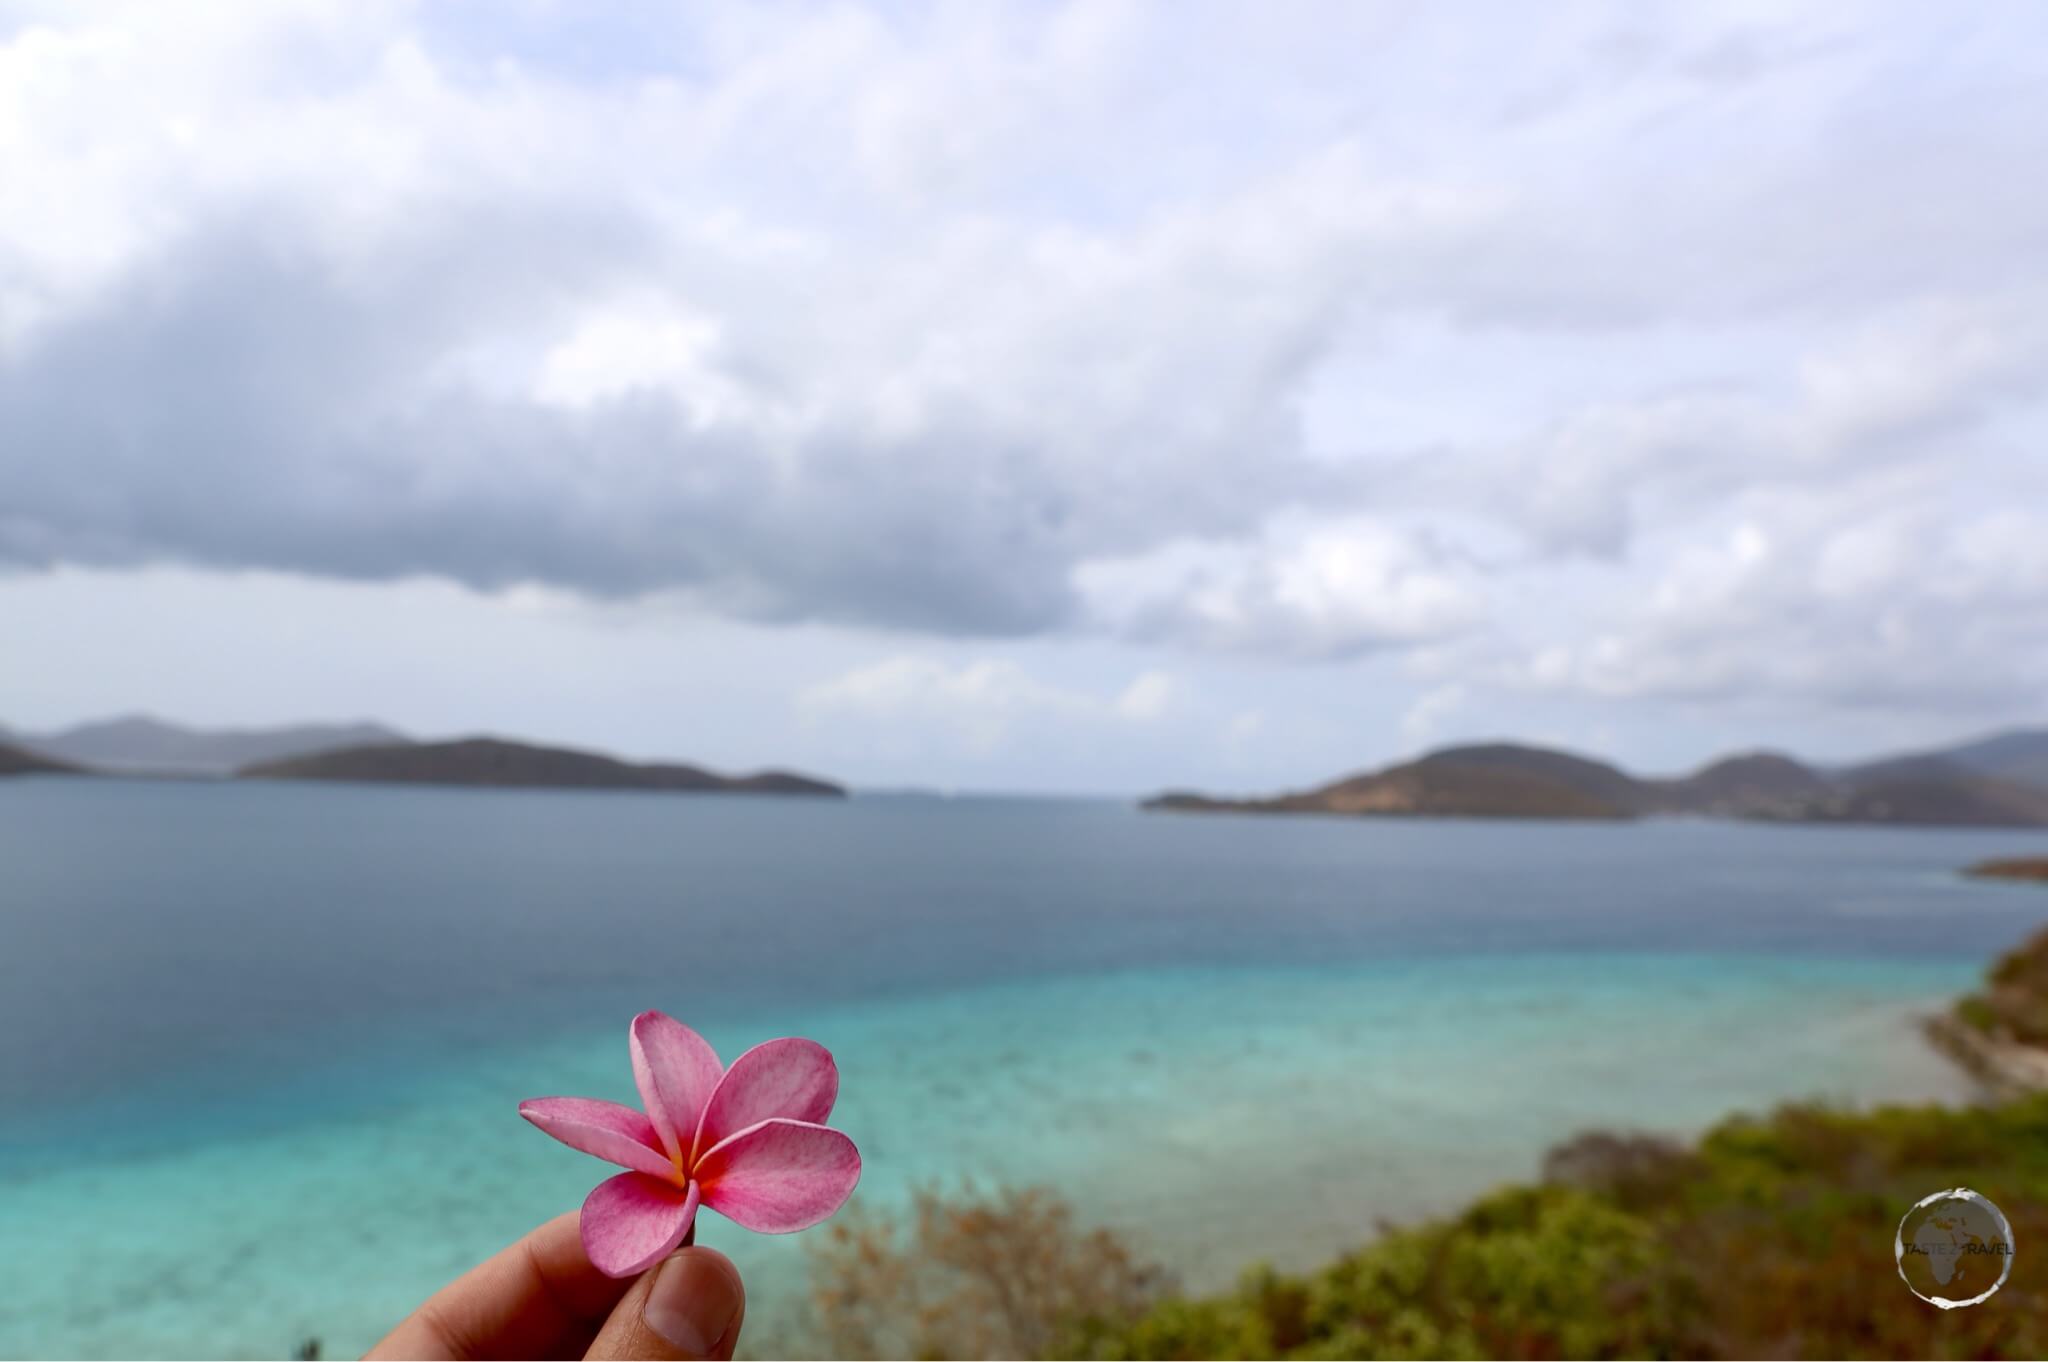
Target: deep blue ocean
[{"x": 261, "y": 1045}]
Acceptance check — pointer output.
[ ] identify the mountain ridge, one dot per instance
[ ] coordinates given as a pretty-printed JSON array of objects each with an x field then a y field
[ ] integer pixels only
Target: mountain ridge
[
  {"x": 2015, "y": 754},
  {"x": 143, "y": 743}
]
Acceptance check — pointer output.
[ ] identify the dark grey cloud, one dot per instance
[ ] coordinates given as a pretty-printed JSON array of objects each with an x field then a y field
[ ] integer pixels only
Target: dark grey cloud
[{"x": 237, "y": 401}]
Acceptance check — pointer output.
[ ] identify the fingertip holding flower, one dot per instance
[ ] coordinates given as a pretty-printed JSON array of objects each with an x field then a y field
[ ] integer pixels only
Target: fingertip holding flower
[{"x": 749, "y": 1142}]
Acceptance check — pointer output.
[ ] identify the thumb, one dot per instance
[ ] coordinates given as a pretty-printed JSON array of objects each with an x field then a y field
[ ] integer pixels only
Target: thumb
[{"x": 688, "y": 1306}]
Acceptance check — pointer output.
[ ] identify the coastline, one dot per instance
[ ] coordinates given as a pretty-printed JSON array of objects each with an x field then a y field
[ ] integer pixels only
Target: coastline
[{"x": 2005, "y": 1067}]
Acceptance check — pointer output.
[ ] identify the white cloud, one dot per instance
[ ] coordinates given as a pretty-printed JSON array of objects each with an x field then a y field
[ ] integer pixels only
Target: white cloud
[
  {"x": 984, "y": 705},
  {"x": 1150, "y": 695},
  {"x": 1847, "y": 600},
  {"x": 1424, "y": 720},
  {"x": 1309, "y": 586},
  {"x": 658, "y": 350}
]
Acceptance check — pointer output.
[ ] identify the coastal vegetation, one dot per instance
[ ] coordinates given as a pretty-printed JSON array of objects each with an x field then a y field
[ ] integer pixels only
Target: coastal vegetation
[
  {"x": 2000, "y": 1032},
  {"x": 1770, "y": 1237}
]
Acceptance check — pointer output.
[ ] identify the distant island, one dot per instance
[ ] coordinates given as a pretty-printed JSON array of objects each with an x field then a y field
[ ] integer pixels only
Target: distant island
[
  {"x": 1500, "y": 780},
  {"x": 495, "y": 762},
  {"x": 138, "y": 745},
  {"x": 1988, "y": 783}
]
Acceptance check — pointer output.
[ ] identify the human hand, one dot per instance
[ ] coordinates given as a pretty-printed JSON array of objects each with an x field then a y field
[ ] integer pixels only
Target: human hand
[{"x": 542, "y": 1298}]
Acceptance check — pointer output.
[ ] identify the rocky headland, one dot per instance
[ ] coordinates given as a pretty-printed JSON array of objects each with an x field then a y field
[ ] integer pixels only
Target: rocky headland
[
  {"x": 2015, "y": 868},
  {"x": 17, "y": 761}
]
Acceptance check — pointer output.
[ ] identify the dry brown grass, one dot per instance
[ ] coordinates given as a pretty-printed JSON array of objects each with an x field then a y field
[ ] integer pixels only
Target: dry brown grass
[{"x": 1006, "y": 1273}]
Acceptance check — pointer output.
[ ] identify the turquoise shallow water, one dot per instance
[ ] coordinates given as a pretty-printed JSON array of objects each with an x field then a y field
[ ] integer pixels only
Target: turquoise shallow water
[{"x": 242, "y": 1080}]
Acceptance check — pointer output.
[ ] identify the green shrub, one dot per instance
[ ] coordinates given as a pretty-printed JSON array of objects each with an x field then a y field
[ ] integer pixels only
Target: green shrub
[{"x": 1772, "y": 1238}]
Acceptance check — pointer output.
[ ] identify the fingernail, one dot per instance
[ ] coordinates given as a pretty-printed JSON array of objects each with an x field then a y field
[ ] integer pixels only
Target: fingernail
[{"x": 694, "y": 1300}]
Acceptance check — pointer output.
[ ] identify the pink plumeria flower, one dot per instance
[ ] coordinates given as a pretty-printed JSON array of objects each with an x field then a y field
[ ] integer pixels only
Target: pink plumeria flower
[{"x": 749, "y": 1142}]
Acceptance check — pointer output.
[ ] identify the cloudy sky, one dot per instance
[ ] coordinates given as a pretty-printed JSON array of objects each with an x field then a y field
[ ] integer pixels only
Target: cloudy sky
[{"x": 1089, "y": 396}]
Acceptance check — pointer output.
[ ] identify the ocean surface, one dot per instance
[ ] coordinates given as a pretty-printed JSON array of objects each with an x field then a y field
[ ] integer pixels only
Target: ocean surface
[{"x": 261, "y": 1045}]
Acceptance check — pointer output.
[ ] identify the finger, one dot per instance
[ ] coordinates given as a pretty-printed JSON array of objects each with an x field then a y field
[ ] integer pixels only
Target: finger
[
  {"x": 538, "y": 1298},
  {"x": 688, "y": 1306}
]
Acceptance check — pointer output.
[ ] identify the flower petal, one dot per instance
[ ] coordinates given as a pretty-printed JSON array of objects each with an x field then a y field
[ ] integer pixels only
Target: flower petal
[
  {"x": 606, "y": 1129},
  {"x": 779, "y": 1176},
  {"x": 791, "y": 1078},
  {"x": 632, "y": 1221},
  {"x": 676, "y": 1069}
]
